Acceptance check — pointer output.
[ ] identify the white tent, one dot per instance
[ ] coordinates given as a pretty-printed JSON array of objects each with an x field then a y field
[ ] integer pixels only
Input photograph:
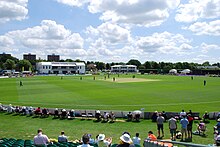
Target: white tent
[
  {"x": 173, "y": 71},
  {"x": 185, "y": 71}
]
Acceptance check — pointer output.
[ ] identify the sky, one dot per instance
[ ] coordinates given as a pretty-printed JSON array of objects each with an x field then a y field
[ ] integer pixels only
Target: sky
[{"x": 112, "y": 30}]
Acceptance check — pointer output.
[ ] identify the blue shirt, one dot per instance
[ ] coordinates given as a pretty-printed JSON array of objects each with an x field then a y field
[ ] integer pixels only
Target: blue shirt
[{"x": 184, "y": 122}]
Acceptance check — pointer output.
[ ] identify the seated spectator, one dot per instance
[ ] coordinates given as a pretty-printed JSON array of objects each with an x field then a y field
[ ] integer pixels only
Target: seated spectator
[
  {"x": 98, "y": 115},
  {"x": 218, "y": 125},
  {"x": 130, "y": 116},
  {"x": 63, "y": 113},
  {"x": 17, "y": 109},
  {"x": 56, "y": 113},
  {"x": 40, "y": 138},
  {"x": 85, "y": 140},
  {"x": 10, "y": 109},
  {"x": 164, "y": 114},
  {"x": 154, "y": 116},
  {"x": 137, "y": 116},
  {"x": 103, "y": 142},
  {"x": 91, "y": 140},
  {"x": 151, "y": 136},
  {"x": 45, "y": 113},
  {"x": 37, "y": 111},
  {"x": 71, "y": 114},
  {"x": 205, "y": 117},
  {"x": 62, "y": 137},
  {"x": 112, "y": 116},
  {"x": 125, "y": 141},
  {"x": 105, "y": 116},
  {"x": 217, "y": 140},
  {"x": 30, "y": 110},
  {"x": 136, "y": 139},
  {"x": 1, "y": 107},
  {"x": 201, "y": 128}
]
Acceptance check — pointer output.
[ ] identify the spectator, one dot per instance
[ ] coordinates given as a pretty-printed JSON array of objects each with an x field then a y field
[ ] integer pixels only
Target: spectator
[
  {"x": 217, "y": 140},
  {"x": 102, "y": 142},
  {"x": 130, "y": 117},
  {"x": 45, "y": 113},
  {"x": 112, "y": 116},
  {"x": 136, "y": 139},
  {"x": 218, "y": 125},
  {"x": 91, "y": 140},
  {"x": 71, "y": 114},
  {"x": 189, "y": 126},
  {"x": 201, "y": 127},
  {"x": 125, "y": 141},
  {"x": 160, "y": 121},
  {"x": 184, "y": 122},
  {"x": 63, "y": 113},
  {"x": 40, "y": 138},
  {"x": 151, "y": 136},
  {"x": 10, "y": 108},
  {"x": 190, "y": 112},
  {"x": 154, "y": 116},
  {"x": 106, "y": 116},
  {"x": 1, "y": 107},
  {"x": 164, "y": 115},
  {"x": 62, "y": 137},
  {"x": 56, "y": 113},
  {"x": 172, "y": 127},
  {"x": 98, "y": 115},
  {"x": 37, "y": 111},
  {"x": 182, "y": 114},
  {"x": 205, "y": 117},
  {"x": 85, "y": 139}
]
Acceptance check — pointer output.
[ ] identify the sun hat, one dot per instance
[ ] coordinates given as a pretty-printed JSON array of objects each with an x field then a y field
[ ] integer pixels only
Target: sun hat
[
  {"x": 101, "y": 137},
  {"x": 97, "y": 111},
  {"x": 126, "y": 138},
  {"x": 218, "y": 119}
]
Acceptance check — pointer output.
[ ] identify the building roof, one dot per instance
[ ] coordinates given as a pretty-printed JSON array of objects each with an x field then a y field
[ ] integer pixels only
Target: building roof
[{"x": 62, "y": 63}]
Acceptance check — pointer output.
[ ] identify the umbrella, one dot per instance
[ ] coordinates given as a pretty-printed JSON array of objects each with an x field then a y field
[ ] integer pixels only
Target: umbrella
[{"x": 137, "y": 112}]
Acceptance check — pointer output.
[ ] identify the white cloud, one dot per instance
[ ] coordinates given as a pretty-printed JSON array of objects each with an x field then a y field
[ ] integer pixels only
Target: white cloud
[
  {"x": 205, "y": 48},
  {"x": 196, "y": 9},
  {"x": 165, "y": 42},
  {"x": 49, "y": 37},
  {"x": 203, "y": 28},
  {"x": 13, "y": 10},
  {"x": 75, "y": 3},
  {"x": 138, "y": 12},
  {"x": 108, "y": 33}
]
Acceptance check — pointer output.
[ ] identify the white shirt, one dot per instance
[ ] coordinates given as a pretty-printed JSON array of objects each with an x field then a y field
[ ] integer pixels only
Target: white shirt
[
  {"x": 41, "y": 139},
  {"x": 136, "y": 140}
]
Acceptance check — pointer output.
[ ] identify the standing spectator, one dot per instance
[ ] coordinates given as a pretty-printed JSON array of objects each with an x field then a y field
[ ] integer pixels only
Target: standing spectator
[
  {"x": 172, "y": 127},
  {"x": 160, "y": 121},
  {"x": 40, "y": 138},
  {"x": 136, "y": 139},
  {"x": 62, "y": 137},
  {"x": 189, "y": 126},
  {"x": 85, "y": 139},
  {"x": 151, "y": 136},
  {"x": 184, "y": 122},
  {"x": 182, "y": 114}
]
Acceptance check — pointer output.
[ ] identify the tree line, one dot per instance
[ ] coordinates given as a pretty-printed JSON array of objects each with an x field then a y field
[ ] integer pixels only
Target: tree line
[{"x": 10, "y": 63}]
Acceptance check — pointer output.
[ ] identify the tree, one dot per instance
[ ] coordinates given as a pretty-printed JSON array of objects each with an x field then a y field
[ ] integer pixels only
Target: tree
[
  {"x": 100, "y": 65},
  {"x": 108, "y": 67},
  {"x": 147, "y": 65},
  {"x": 24, "y": 65},
  {"x": 134, "y": 62},
  {"x": 9, "y": 64},
  {"x": 206, "y": 63}
]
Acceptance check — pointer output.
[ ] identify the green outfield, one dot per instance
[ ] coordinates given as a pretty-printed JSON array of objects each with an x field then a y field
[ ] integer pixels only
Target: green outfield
[{"x": 151, "y": 92}]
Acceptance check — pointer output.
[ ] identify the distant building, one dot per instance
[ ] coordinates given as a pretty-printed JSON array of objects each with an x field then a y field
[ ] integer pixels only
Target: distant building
[
  {"x": 124, "y": 68},
  {"x": 5, "y": 55},
  {"x": 61, "y": 68},
  {"x": 53, "y": 58},
  {"x": 29, "y": 57}
]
